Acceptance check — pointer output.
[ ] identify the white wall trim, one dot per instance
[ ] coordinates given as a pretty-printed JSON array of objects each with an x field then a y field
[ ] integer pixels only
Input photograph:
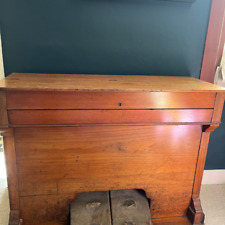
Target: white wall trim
[{"x": 213, "y": 177}]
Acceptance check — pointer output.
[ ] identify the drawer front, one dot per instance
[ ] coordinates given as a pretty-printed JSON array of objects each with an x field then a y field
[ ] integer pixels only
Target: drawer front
[
  {"x": 51, "y": 117},
  {"x": 108, "y": 100}
]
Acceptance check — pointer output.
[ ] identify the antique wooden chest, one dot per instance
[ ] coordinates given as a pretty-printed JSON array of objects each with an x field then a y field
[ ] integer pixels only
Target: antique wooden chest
[{"x": 67, "y": 134}]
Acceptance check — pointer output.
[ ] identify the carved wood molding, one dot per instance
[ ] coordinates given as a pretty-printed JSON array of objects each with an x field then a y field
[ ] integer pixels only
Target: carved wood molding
[
  {"x": 210, "y": 128},
  {"x": 195, "y": 213}
]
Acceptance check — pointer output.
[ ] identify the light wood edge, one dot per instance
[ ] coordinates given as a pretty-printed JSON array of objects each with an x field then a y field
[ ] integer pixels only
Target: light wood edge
[
  {"x": 13, "y": 187},
  {"x": 3, "y": 110},
  {"x": 218, "y": 108},
  {"x": 10, "y": 156},
  {"x": 15, "y": 81},
  {"x": 200, "y": 164}
]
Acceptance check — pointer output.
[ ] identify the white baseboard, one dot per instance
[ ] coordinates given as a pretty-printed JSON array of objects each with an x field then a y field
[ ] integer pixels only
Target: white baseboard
[{"x": 213, "y": 177}]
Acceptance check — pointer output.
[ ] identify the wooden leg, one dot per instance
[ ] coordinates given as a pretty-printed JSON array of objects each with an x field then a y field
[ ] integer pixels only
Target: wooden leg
[
  {"x": 11, "y": 168},
  {"x": 14, "y": 218},
  {"x": 10, "y": 155},
  {"x": 195, "y": 213}
]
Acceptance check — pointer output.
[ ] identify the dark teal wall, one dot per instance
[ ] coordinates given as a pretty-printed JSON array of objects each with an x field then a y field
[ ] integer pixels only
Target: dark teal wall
[
  {"x": 216, "y": 151},
  {"x": 104, "y": 36},
  {"x": 108, "y": 37}
]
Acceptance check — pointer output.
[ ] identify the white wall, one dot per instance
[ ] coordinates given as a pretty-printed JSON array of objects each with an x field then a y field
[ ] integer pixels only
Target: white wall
[
  {"x": 213, "y": 177},
  {"x": 1, "y": 61}
]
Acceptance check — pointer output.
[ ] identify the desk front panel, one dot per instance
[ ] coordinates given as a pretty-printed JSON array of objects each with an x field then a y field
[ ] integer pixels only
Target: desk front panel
[{"x": 56, "y": 163}]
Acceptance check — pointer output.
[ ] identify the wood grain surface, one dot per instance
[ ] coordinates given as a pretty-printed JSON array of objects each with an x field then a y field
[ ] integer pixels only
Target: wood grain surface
[
  {"x": 53, "y": 82},
  {"x": 54, "y": 117},
  {"x": 3, "y": 110},
  {"x": 172, "y": 221},
  {"x": 201, "y": 163},
  {"x": 108, "y": 100},
  {"x": 77, "y": 133},
  {"x": 54, "y": 164}
]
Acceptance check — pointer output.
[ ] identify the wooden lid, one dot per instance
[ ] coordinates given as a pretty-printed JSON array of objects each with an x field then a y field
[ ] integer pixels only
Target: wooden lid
[{"x": 61, "y": 82}]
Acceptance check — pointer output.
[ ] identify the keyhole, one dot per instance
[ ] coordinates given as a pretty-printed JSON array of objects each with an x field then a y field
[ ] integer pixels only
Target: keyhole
[{"x": 119, "y": 104}]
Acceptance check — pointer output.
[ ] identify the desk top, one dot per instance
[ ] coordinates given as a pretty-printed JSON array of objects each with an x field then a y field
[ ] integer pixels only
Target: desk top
[{"x": 83, "y": 82}]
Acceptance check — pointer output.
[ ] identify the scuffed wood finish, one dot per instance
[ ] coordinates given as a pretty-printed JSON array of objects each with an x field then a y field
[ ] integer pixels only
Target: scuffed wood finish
[
  {"x": 69, "y": 134},
  {"x": 51, "y": 117},
  {"x": 108, "y": 100},
  {"x": 54, "y": 82},
  {"x": 171, "y": 221},
  {"x": 68, "y": 160},
  {"x": 46, "y": 209},
  {"x": 3, "y": 110}
]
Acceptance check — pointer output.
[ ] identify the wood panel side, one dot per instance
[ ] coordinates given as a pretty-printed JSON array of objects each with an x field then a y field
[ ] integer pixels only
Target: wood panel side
[
  {"x": 200, "y": 164},
  {"x": 60, "y": 117},
  {"x": 3, "y": 110},
  {"x": 11, "y": 168},
  {"x": 109, "y": 100},
  {"x": 218, "y": 108}
]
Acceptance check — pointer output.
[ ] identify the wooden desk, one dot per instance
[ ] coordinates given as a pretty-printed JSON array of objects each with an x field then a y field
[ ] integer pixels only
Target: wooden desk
[{"x": 66, "y": 134}]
